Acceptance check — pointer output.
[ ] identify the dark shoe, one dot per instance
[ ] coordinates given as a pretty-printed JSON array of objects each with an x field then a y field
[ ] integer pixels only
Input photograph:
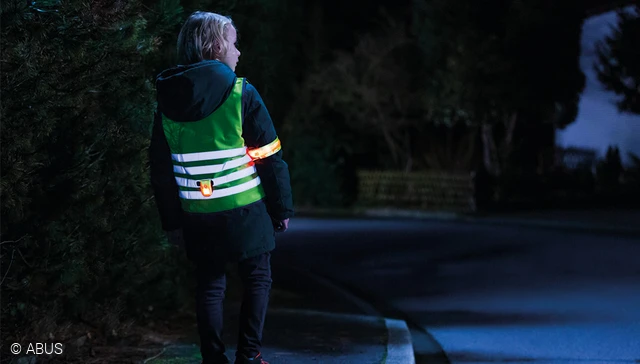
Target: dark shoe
[
  {"x": 241, "y": 359},
  {"x": 222, "y": 360}
]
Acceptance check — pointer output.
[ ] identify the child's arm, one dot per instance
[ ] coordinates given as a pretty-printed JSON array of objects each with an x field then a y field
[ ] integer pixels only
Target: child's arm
[
  {"x": 165, "y": 189},
  {"x": 258, "y": 131}
]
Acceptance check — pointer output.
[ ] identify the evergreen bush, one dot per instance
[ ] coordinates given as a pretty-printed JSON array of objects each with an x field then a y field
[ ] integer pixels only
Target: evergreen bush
[{"x": 80, "y": 232}]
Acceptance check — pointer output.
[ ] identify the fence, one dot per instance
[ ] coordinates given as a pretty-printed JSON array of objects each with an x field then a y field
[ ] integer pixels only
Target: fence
[{"x": 417, "y": 190}]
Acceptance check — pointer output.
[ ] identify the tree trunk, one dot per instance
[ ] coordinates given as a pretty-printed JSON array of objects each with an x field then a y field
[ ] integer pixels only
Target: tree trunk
[
  {"x": 489, "y": 150},
  {"x": 511, "y": 127},
  {"x": 507, "y": 148},
  {"x": 466, "y": 154},
  {"x": 408, "y": 155},
  {"x": 391, "y": 145}
]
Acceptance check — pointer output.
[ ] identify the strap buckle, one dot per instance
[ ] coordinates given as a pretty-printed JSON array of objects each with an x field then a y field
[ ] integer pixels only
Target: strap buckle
[{"x": 206, "y": 187}]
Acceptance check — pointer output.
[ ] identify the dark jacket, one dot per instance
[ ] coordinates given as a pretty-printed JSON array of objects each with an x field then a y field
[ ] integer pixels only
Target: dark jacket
[{"x": 190, "y": 93}]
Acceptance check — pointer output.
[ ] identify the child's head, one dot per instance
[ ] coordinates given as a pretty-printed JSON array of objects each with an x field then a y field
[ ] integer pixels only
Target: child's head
[{"x": 208, "y": 36}]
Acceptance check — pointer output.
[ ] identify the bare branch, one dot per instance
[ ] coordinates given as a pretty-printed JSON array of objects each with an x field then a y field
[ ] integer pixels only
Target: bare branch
[
  {"x": 13, "y": 253},
  {"x": 14, "y": 241}
]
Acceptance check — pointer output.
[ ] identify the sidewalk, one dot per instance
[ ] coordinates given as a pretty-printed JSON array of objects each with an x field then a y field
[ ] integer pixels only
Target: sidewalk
[
  {"x": 316, "y": 324},
  {"x": 610, "y": 221}
]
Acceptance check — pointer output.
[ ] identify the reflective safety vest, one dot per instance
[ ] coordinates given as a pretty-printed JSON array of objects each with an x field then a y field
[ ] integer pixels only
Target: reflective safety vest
[{"x": 213, "y": 168}]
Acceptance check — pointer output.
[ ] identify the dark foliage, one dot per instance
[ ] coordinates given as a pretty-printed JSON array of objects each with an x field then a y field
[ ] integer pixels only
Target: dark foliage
[
  {"x": 618, "y": 63},
  {"x": 80, "y": 234}
]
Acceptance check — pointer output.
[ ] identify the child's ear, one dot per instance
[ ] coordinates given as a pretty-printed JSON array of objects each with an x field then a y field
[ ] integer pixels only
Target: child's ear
[{"x": 216, "y": 51}]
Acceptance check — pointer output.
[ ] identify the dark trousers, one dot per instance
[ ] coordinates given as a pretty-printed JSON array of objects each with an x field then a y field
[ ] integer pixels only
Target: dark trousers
[{"x": 255, "y": 274}]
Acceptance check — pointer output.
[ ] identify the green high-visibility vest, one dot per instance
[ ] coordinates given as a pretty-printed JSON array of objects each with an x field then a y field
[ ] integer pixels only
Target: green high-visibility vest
[{"x": 210, "y": 161}]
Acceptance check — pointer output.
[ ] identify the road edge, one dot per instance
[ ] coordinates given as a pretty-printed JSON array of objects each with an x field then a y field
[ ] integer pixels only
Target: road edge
[{"x": 395, "y": 330}]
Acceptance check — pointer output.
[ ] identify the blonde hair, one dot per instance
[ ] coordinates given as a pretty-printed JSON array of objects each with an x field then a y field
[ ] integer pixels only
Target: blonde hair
[{"x": 200, "y": 35}]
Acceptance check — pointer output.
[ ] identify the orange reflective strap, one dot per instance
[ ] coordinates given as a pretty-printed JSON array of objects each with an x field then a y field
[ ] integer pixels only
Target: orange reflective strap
[{"x": 265, "y": 151}]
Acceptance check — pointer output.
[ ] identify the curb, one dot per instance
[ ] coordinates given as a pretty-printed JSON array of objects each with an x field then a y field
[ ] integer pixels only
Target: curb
[
  {"x": 466, "y": 218},
  {"x": 428, "y": 351},
  {"x": 399, "y": 343},
  {"x": 400, "y": 349}
]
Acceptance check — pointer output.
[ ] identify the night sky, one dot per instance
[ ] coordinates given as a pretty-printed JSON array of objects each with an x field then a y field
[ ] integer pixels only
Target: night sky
[{"x": 599, "y": 124}]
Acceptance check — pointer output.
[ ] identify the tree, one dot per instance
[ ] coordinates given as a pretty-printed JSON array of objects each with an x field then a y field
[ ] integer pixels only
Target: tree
[
  {"x": 371, "y": 89},
  {"x": 632, "y": 180},
  {"x": 269, "y": 38},
  {"x": 633, "y": 172},
  {"x": 609, "y": 171},
  {"x": 499, "y": 66},
  {"x": 618, "y": 65}
]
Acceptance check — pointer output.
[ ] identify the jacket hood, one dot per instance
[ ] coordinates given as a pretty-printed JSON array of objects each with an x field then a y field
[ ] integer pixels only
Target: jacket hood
[{"x": 192, "y": 92}]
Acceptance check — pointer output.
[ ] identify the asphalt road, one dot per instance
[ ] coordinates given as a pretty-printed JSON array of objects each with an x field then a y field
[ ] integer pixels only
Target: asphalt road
[{"x": 487, "y": 293}]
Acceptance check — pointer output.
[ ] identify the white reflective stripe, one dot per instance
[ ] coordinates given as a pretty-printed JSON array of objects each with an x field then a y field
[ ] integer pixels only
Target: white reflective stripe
[
  {"x": 223, "y": 192},
  {"x": 205, "y": 156},
  {"x": 185, "y": 182},
  {"x": 214, "y": 168}
]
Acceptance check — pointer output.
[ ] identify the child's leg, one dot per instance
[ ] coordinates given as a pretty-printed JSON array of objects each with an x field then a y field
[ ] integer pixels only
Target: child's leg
[
  {"x": 209, "y": 299},
  {"x": 256, "y": 278}
]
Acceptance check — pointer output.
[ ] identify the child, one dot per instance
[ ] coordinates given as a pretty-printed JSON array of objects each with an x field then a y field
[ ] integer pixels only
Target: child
[{"x": 219, "y": 179}]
